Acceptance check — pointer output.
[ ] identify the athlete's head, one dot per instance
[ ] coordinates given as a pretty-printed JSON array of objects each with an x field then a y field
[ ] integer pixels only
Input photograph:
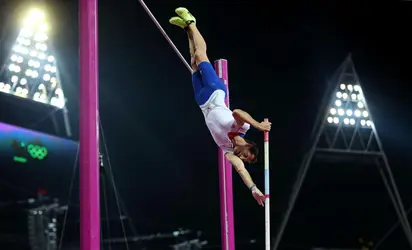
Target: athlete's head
[{"x": 247, "y": 152}]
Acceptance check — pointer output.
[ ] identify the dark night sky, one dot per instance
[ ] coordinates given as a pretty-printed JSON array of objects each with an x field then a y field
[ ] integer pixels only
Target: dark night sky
[{"x": 280, "y": 56}]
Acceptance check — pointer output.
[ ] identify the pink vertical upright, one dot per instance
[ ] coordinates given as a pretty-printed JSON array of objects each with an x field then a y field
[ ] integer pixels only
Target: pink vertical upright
[
  {"x": 89, "y": 133},
  {"x": 225, "y": 178}
]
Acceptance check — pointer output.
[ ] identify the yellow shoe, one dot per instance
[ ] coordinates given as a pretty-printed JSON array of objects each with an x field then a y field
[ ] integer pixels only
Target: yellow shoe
[
  {"x": 187, "y": 17},
  {"x": 178, "y": 22}
]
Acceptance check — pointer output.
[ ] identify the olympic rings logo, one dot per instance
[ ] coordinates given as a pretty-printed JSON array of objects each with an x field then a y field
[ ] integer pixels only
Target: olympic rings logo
[{"x": 37, "y": 152}]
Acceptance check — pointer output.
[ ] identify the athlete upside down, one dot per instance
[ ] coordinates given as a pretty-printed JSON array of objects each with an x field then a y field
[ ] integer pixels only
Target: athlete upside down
[{"x": 227, "y": 128}]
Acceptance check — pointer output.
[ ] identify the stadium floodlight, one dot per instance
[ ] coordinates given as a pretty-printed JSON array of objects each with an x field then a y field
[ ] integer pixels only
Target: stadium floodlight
[
  {"x": 345, "y": 133},
  {"x": 31, "y": 72},
  {"x": 348, "y": 107}
]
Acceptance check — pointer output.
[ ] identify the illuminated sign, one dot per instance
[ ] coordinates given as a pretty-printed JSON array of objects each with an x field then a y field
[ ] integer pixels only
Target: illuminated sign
[
  {"x": 30, "y": 159},
  {"x": 25, "y": 146},
  {"x": 30, "y": 150}
]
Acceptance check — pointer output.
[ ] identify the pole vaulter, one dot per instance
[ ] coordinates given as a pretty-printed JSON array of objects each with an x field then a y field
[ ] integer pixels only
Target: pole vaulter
[{"x": 227, "y": 127}]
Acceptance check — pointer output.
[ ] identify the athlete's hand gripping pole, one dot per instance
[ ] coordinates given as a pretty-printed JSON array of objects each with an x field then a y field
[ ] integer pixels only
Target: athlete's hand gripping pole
[{"x": 267, "y": 207}]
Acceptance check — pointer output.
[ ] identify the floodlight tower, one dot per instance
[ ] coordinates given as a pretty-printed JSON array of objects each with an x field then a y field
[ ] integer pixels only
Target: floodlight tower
[
  {"x": 31, "y": 70},
  {"x": 345, "y": 131}
]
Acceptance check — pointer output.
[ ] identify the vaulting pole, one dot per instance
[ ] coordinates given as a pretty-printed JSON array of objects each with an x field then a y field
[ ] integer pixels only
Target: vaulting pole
[
  {"x": 225, "y": 177},
  {"x": 267, "y": 191},
  {"x": 89, "y": 133}
]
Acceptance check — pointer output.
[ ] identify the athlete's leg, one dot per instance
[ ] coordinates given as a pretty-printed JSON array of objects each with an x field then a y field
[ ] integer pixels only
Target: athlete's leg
[
  {"x": 182, "y": 24},
  {"x": 209, "y": 76},
  {"x": 210, "y": 79},
  {"x": 197, "y": 81},
  {"x": 199, "y": 44},
  {"x": 192, "y": 52},
  {"x": 206, "y": 76}
]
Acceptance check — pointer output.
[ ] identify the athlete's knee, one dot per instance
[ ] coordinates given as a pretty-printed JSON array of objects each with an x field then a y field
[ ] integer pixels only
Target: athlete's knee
[
  {"x": 193, "y": 64},
  {"x": 201, "y": 56}
]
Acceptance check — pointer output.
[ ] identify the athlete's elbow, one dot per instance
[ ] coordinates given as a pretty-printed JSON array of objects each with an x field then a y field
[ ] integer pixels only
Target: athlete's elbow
[
  {"x": 242, "y": 171},
  {"x": 237, "y": 112},
  {"x": 239, "y": 116},
  {"x": 239, "y": 166}
]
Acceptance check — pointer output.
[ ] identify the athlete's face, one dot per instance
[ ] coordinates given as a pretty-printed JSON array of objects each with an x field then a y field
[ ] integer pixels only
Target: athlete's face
[{"x": 243, "y": 153}]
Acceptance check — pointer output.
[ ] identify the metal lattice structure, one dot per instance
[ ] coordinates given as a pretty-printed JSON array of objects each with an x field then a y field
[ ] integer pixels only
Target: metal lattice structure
[
  {"x": 345, "y": 130},
  {"x": 42, "y": 224},
  {"x": 30, "y": 71}
]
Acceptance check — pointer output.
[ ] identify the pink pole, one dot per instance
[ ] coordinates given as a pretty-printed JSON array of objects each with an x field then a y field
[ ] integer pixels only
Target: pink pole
[
  {"x": 225, "y": 178},
  {"x": 89, "y": 133}
]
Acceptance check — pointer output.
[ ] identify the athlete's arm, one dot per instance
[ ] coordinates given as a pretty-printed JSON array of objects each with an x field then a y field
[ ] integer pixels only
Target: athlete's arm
[
  {"x": 238, "y": 164},
  {"x": 241, "y": 117}
]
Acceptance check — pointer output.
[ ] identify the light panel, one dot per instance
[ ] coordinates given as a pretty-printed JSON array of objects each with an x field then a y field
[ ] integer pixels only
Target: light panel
[
  {"x": 32, "y": 71},
  {"x": 349, "y": 107}
]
